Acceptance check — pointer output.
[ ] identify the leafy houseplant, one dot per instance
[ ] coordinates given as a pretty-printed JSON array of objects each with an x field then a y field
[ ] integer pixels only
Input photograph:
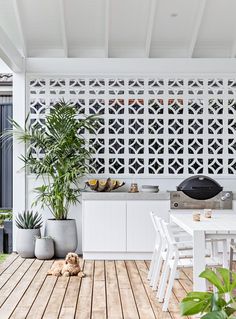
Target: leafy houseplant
[
  {"x": 63, "y": 163},
  {"x": 213, "y": 305},
  {"x": 28, "y": 224}
]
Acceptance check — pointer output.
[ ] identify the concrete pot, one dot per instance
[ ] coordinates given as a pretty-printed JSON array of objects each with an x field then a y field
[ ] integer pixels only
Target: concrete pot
[
  {"x": 64, "y": 234},
  {"x": 44, "y": 248},
  {"x": 25, "y": 242}
]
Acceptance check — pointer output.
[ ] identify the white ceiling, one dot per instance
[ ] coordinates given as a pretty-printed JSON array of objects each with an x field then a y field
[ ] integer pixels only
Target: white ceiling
[{"x": 121, "y": 28}]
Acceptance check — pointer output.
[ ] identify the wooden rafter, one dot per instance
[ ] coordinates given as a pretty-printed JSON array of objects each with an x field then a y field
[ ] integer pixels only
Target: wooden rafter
[
  {"x": 9, "y": 54},
  {"x": 63, "y": 28},
  {"x": 20, "y": 27},
  {"x": 107, "y": 17},
  {"x": 194, "y": 37},
  {"x": 151, "y": 20}
]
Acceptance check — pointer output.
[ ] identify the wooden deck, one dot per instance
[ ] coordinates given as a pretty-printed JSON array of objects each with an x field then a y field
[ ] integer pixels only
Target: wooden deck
[{"x": 112, "y": 290}]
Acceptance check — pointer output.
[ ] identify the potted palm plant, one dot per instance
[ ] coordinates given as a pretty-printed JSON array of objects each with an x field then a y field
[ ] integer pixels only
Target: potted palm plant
[
  {"x": 64, "y": 162},
  {"x": 28, "y": 224}
]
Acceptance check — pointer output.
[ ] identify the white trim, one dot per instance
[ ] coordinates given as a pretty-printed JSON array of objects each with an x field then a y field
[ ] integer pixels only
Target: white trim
[
  {"x": 63, "y": 28},
  {"x": 20, "y": 26},
  {"x": 116, "y": 256},
  {"x": 197, "y": 26},
  {"x": 107, "y": 25},
  {"x": 9, "y": 54},
  {"x": 139, "y": 66},
  {"x": 6, "y": 89},
  {"x": 151, "y": 21},
  {"x": 19, "y": 174}
]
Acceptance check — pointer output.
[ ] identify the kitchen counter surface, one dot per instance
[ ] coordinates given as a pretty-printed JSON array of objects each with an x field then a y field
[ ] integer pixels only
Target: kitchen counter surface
[
  {"x": 89, "y": 195},
  {"x": 125, "y": 196}
]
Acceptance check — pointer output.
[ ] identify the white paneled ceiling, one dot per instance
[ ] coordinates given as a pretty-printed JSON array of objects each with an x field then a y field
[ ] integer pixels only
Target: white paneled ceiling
[{"x": 121, "y": 28}]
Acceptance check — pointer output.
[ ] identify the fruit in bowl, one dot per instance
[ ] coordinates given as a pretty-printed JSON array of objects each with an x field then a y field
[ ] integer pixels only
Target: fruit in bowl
[{"x": 104, "y": 185}]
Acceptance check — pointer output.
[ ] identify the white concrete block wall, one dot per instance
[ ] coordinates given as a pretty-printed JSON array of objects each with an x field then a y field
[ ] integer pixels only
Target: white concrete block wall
[{"x": 23, "y": 195}]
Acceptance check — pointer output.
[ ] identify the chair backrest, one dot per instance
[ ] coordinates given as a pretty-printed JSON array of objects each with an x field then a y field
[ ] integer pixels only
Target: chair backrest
[
  {"x": 154, "y": 221},
  {"x": 160, "y": 235},
  {"x": 170, "y": 238}
]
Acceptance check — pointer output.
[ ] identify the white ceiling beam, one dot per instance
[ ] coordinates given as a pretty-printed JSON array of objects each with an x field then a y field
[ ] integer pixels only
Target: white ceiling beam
[
  {"x": 20, "y": 27},
  {"x": 198, "y": 21},
  {"x": 9, "y": 54},
  {"x": 107, "y": 25},
  {"x": 151, "y": 21},
  {"x": 63, "y": 27}
]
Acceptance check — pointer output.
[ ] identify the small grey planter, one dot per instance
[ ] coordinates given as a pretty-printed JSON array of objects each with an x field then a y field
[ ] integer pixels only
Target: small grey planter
[
  {"x": 64, "y": 234},
  {"x": 25, "y": 242},
  {"x": 44, "y": 248}
]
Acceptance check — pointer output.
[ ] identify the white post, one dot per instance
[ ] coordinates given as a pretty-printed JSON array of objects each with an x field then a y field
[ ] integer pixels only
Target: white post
[
  {"x": 19, "y": 177},
  {"x": 199, "y": 262}
]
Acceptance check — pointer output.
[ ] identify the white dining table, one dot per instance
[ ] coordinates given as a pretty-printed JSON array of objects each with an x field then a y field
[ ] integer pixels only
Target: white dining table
[{"x": 224, "y": 223}]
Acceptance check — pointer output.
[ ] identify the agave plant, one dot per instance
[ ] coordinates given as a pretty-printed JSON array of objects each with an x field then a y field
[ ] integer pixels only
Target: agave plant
[
  {"x": 213, "y": 305},
  {"x": 65, "y": 157},
  {"x": 29, "y": 220}
]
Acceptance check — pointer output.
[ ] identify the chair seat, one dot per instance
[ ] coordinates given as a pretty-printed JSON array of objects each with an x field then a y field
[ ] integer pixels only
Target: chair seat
[{"x": 188, "y": 262}]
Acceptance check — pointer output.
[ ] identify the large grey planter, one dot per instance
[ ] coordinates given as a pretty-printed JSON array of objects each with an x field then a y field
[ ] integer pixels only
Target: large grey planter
[
  {"x": 64, "y": 234},
  {"x": 44, "y": 248},
  {"x": 25, "y": 242}
]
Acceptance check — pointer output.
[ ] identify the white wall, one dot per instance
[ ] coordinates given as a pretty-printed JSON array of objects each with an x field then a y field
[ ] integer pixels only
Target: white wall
[{"x": 113, "y": 67}]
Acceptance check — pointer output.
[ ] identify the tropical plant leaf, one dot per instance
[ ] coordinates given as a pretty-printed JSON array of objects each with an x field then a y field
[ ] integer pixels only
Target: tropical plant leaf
[
  {"x": 195, "y": 302},
  {"x": 212, "y": 277},
  {"x": 216, "y": 315},
  {"x": 65, "y": 155}
]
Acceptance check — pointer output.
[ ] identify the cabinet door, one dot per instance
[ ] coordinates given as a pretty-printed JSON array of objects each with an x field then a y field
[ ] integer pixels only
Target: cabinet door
[
  {"x": 104, "y": 226},
  {"x": 140, "y": 231}
]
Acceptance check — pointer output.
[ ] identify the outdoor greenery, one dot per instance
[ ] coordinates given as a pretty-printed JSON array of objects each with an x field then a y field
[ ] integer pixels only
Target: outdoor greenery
[
  {"x": 213, "y": 305},
  {"x": 5, "y": 215},
  {"x": 64, "y": 155},
  {"x": 3, "y": 257},
  {"x": 29, "y": 220}
]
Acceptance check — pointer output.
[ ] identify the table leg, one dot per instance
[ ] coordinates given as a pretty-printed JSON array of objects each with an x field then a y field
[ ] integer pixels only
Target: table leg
[{"x": 199, "y": 262}]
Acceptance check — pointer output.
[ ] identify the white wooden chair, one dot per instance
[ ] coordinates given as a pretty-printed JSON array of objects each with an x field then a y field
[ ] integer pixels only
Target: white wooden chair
[
  {"x": 173, "y": 262},
  {"x": 157, "y": 245},
  {"x": 160, "y": 249}
]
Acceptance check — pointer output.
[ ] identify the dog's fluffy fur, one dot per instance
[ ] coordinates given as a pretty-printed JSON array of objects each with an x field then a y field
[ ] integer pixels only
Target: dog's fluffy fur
[{"x": 68, "y": 267}]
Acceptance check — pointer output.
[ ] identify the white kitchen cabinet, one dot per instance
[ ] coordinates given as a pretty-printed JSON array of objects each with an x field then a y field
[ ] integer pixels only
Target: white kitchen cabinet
[
  {"x": 140, "y": 231},
  {"x": 104, "y": 226},
  {"x": 120, "y": 228}
]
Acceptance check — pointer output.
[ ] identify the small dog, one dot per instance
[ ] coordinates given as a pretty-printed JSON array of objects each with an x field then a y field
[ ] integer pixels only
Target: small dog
[{"x": 68, "y": 267}]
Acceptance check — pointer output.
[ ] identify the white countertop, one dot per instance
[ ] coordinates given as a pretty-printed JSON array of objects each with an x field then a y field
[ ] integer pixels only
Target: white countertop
[
  {"x": 117, "y": 195},
  {"x": 124, "y": 196}
]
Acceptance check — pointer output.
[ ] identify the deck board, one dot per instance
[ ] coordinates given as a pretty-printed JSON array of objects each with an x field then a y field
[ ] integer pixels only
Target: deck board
[
  {"x": 11, "y": 303},
  {"x": 28, "y": 298},
  {"x": 70, "y": 300},
  {"x": 110, "y": 290},
  {"x": 126, "y": 293},
  {"x": 114, "y": 308}
]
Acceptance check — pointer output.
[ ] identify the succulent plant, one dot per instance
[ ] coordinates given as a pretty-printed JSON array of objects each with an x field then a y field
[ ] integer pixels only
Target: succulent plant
[{"x": 29, "y": 220}]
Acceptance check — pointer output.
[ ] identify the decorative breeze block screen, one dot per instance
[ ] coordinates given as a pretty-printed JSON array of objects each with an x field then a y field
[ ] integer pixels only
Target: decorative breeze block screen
[{"x": 150, "y": 126}]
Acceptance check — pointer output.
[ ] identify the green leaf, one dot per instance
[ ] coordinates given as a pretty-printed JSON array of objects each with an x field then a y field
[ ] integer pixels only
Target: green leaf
[
  {"x": 215, "y": 315},
  {"x": 211, "y": 276},
  {"x": 195, "y": 302}
]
